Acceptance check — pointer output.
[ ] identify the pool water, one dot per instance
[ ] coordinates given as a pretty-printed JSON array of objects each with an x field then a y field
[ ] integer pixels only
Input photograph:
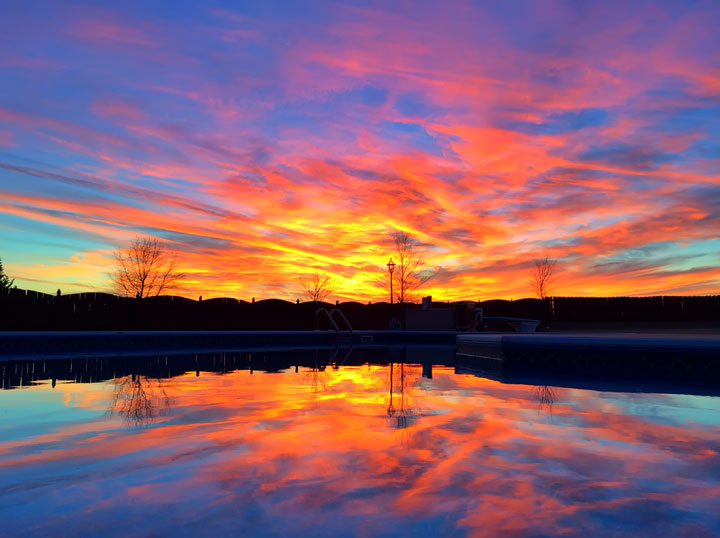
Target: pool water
[{"x": 377, "y": 448}]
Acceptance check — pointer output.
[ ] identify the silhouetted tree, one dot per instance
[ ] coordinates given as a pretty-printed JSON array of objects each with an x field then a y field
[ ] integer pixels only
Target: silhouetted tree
[
  {"x": 403, "y": 409},
  {"x": 147, "y": 267},
  {"x": 316, "y": 377},
  {"x": 409, "y": 274},
  {"x": 545, "y": 396},
  {"x": 5, "y": 281},
  {"x": 137, "y": 401},
  {"x": 542, "y": 276},
  {"x": 319, "y": 287}
]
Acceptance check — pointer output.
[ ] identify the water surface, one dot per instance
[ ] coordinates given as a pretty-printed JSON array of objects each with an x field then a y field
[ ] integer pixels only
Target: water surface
[{"x": 361, "y": 449}]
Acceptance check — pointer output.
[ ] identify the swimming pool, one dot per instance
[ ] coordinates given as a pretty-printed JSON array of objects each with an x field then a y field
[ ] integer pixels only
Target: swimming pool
[{"x": 371, "y": 442}]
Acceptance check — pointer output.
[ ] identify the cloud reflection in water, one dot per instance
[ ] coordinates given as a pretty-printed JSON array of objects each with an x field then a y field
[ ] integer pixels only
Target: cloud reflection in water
[{"x": 313, "y": 452}]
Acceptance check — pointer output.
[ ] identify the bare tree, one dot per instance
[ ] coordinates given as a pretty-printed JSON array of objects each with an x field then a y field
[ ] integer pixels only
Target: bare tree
[
  {"x": 546, "y": 397},
  {"x": 137, "y": 401},
  {"x": 147, "y": 267},
  {"x": 410, "y": 273},
  {"x": 319, "y": 287},
  {"x": 316, "y": 378},
  {"x": 542, "y": 276}
]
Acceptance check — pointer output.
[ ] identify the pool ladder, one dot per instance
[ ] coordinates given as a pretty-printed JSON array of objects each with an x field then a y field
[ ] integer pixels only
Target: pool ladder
[{"x": 330, "y": 317}]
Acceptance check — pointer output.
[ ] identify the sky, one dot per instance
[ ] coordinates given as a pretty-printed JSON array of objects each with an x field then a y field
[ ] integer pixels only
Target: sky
[{"x": 265, "y": 141}]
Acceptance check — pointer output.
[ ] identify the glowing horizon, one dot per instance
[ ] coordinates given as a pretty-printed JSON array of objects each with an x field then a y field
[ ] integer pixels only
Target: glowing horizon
[{"x": 269, "y": 142}]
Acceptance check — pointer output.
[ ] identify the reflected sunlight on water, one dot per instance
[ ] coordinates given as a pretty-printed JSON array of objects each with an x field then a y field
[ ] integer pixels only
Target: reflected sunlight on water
[{"x": 365, "y": 449}]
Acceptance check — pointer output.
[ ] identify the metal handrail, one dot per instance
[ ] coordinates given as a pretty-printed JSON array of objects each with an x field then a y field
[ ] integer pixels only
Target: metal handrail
[
  {"x": 343, "y": 318},
  {"x": 317, "y": 319}
]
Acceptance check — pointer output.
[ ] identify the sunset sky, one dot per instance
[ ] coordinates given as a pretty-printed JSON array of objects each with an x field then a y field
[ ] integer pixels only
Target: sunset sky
[{"x": 267, "y": 140}]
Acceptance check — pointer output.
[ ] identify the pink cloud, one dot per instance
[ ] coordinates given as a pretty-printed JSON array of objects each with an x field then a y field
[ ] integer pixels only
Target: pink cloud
[{"x": 120, "y": 109}]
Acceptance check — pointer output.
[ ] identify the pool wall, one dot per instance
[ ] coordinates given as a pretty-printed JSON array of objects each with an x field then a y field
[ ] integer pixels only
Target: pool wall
[
  {"x": 628, "y": 356},
  {"x": 18, "y": 345}
]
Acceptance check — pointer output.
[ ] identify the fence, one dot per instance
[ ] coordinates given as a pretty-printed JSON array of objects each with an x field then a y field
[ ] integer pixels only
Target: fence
[{"x": 30, "y": 310}]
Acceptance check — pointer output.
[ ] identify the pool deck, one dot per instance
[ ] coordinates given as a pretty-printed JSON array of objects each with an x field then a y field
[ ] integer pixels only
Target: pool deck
[{"x": 469, "y": 344}]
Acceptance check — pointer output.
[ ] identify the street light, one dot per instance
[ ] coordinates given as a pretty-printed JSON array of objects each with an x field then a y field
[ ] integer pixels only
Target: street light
[{"x": 391, "y": 268}]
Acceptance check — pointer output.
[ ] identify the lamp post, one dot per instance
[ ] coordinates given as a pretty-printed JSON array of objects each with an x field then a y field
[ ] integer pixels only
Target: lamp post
[{"x": 391, "y": 268}]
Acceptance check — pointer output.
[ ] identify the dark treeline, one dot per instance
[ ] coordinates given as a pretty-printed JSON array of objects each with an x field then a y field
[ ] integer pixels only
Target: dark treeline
[{"x": 30, "y": 310}]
